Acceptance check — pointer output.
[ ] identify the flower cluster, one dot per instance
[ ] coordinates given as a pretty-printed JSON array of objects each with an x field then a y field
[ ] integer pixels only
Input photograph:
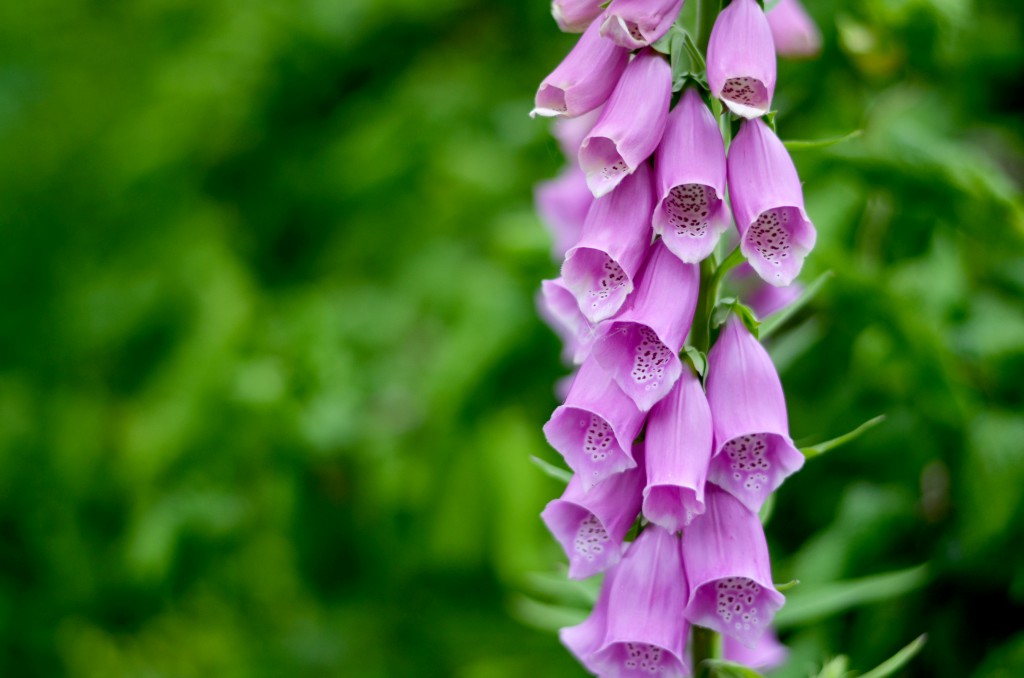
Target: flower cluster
[{"x": 637, "y": 222}]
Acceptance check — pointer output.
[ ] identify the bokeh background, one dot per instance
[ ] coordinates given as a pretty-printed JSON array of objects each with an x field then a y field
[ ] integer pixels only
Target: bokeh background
[{"x": 271, "y": 375}]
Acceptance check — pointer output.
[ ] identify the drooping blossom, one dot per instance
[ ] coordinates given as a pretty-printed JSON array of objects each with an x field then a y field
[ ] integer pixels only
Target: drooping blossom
[
  {"x": 768, "y": 203},
  {"x": 645, "y": 633},
  {"x": 573, "y": 16},
  {"x": 640, "y": 346},
  {"x": 727, "y": 566},
  {"x": 570, "y": 133},
  {"x": 590, "y": 525},
  {"x": 793, "y": 30},
  {"x": 600, "y": 268},
  {"x": 753, "y": 450},
  {"x": 691, "y": 212},
  {"x": 637, "y": 23},
  {"x": 678, "y": 441},
  {"x": 741, "y": 59},
  {"x": 595, "y": 427},
  {"x": 563, "y": 203},
  {"x": 767, "y": 654},
  {"x": 558, "y": 307},
  {"x": 630, "y": 125},
  {"x": 584, "y": 79}
]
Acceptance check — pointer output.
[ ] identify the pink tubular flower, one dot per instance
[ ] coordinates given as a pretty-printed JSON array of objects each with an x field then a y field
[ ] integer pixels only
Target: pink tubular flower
[
  {"x": 768, "y": 299},
  {"x": 595, "y": 427},
  {"x": 630, "y": 125},
  {"x": 585, "y": 639},
  {"x": 600, "y": 269},
  {"x": 767, "y": 654},
  {"x": 753, "y": 450},
  {"x": 563, "y": 203},
  {"x": 678, "y": 442},
  {"x": 691, "y": 212},
  {"x": 768, "y": 202},
  {"x": 637, "y": 23},
  {"x": 793, "y": 30},
  {"x": 646, "y": 634},
  {"x": 730, "y": 575},
  {"x": 741, "y": 59},
  {"x": 584, "y": 79},
  {"x": 590, "y": 525},
  {"x": 573, "y": 16},
  {"x": 570, "y": 132},
  {"x": 558, "y": 307},
  {"x": 639, "y": 346}
]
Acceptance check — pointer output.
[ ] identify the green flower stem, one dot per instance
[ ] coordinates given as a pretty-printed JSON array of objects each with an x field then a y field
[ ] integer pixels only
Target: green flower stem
[
  {"x": 700, "y": 331},
  {"x": 707, "y": 12},
  {"x": 706, "y": 644}
]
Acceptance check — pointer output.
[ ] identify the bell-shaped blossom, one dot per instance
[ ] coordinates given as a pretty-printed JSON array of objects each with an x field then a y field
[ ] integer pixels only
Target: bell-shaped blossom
[
  {"x": 630, "y": 125},
  {"x": 584, "y": 79},
  {"x": 637, "y": 23},
  {"x": 768, "y": 203},
  {"x": 767, "y": 654},
  {"x": 558, "y": 307},
  {"x": 573, "y": 16},
  {"x": 767, "y": 299},
  {"x": 570, "y": 132},
  {"x": 741, "y": 59},
  {"x": 753, "y": 450},
  {"x": 645, "y": 632},
  {"x": 678, "y": 441},
  {"x": 584, "y": 639},
  {"x": 563, "y": 203},
  {"x": 595, "y": 427},
  {"x": 600, "y": 269},
  {"x": 793, "y": 30},
  {"x": 590, "y": 526},
  {"x": 639, "y": 346},
  {"x": 729, "y": 572},
  {"x": 691, "y": 212}
]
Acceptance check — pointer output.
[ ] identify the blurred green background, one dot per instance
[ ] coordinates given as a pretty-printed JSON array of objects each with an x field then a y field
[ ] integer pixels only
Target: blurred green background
[{"x": 270, "y": 371}]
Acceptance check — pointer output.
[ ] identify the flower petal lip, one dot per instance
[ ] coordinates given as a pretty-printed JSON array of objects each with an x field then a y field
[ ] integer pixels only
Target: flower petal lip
[
  {"x": 741, "y": 59},
  {"x": 635, "y": 24},
  {"x": 645, "y": 632},
  {"x": 573, "y": 16},
  {"x": 753, "y": 452},
  {"x": 691, "y": 212},
  {"x": 729, "y": 571},
  {"x": 590, "y": 525},
  {"x": 678, "y": 440},
  {"x": 585, "y": 78},
  {"x": 639, "y": 347},
  {"x": 601, "y": 267},
  {"x": 631, "y": 124},
  {"x": 768, "y": 203},
  {"x": 595, "y": 427},
  {"x": 793, "y": 30}
]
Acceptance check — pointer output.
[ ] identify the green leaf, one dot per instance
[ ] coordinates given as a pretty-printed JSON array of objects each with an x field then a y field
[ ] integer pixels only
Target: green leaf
[
  {"x": 544, "y": 616},
  {"x": 821, "y": 448},
  {"x": 767, "y": 508},
  {"x": 813, "y": 602},
  {"x": 835, "y": 668},
  {"x": 557, "y": 587},
  {"x": 773, "y": 321},
  {"x": 697, "y": 359},
  {"x": 727, "y": 669},
  {"x": 804, "y": 145},
  {"x": 898, "y": 660},
  {"x": 551, "y": 470}
]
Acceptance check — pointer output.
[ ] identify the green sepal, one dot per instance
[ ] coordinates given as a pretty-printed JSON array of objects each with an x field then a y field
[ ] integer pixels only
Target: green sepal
[
  {"x": 720, "y": 668},
  {"x": 697, "y": 360},
  {"x": 835, "y": 668},
  {"x": 805, "y": 145},
  {"x": 787, "y": 585},
  {"x": 551, "y": 470},
  {"x": 729, "y": 305},
  {"x": 898, "y": 660},
  {"x": 769, "y": 118},
  {"x": 770, "y": 323},
  {"x": 813, "y": 451}
]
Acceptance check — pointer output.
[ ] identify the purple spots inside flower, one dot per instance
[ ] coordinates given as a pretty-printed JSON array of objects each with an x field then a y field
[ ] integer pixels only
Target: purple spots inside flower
[
  {"x": 590, "y": 538},
  {"x": 634, "y": 32},
  {"x": 736, "y": 599},
  {"x": 770, "y": 236},
  {"x": 688, "y": 208},
  {"x": 748, "y": 91},
  {"x": 748, "y": 461},
  {"x": 598, "y": 438},
  {"x": 617, "y": 168},
  {"x": 643, "y": 657},
  {"x": 613, "y": 278},
  {"x": 650, "y": 359}
]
